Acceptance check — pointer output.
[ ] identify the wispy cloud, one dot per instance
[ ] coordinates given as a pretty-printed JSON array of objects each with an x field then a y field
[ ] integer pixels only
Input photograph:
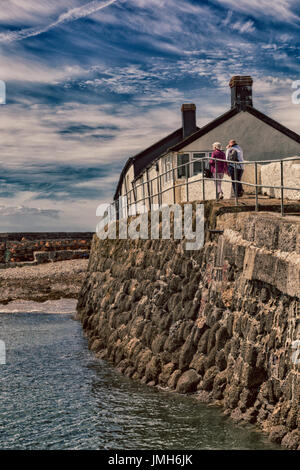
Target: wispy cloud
[
  {"x": 281, "y": 10},
  {"x": 247, "y": 27},
  {"x": 20, "y": 211},
  {"x": 75, "y": 113},
  {"x": 71, "y": 15}
]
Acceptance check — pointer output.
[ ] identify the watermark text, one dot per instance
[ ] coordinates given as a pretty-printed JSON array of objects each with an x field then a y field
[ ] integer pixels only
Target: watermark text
[
  {"x": 137, "y": 222},
  {"x": 2, "y": 353}
]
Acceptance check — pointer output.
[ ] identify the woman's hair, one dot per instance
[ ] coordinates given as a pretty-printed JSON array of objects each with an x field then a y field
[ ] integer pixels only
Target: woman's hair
[{"x": 217, "y": 145}]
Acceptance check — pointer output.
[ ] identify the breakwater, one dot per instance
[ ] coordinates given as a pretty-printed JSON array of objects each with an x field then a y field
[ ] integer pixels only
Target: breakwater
[
  {"x": 17, "y": 249},
  {"x": 219, "y": 322}
]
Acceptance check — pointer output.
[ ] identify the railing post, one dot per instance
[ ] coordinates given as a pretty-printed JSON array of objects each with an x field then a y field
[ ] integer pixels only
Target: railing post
[
  {"x": 281, "y": 189},
  {"x": 203, "y": 180},
  {"x": 148, "y": 189},
  {"x": 160, "y": 191},
  {"x": 127, "y": 205},
  {"x": 187, "y": 180},
  {"x": 174, "y": 195},
  {"x": 135, "y": 197},
  {"x": 187, "y": 190},
  {"x": 256, "y": 188},
  {"x": 235, "y": 184},
  {"x": 216, "y": 184},
  {"x": 151, "y": 185}
]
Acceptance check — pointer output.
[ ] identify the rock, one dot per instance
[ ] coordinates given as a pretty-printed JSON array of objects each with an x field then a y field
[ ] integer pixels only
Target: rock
[
  {"x": 157, "y": 345},
  {"x": 143, "y": 359},
  {"x": 188, "y": 382},
  {"x": 248, "y": 397},
  {"x": 291, "y": 440},
  {"x": 277, "y": 434},
  {"x": 209, "y": 377},
  {"x": 198, "y": 363},
  {"x": 250, "y": 415},
  {"x": 97, "y": 345},
  {"x": 172, "y": 382},
  {"x": 202, "y": 345},
  {"x": 231, "y": 396},
  {"x": 292, "y": 418},
  {"x": 187, "y": 353},
  {"x": 172, "y": 343},
  {"x": 166, "y": 373},
  {"x": 219, "y": 385},
  {"x": 152, "y": 383},
  {"x": 253, "y": 376},
  {"x": 153, "y": 369},
  {"x": 236, "y": 415},
  {"x": 221, "y": 337},
  {"x": 221, "y": 362}
]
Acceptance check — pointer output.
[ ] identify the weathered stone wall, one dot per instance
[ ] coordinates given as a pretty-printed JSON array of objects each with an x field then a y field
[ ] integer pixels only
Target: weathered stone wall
[
  {"x": 36, "y": 248},
  {"x": 219, "y": 322}
]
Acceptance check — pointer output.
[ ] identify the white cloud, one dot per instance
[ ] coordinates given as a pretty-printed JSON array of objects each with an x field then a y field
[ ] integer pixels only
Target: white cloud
[
  {"x": 71, "y": 15},
  {"x": 247, "y": 27},
  {"x": 25, "y": 68},
  {"x": 273, "y": 96},
  {"x": 280, "y": 9},
  {"x": 20, "y": 211},
  {"x": 32, "y": 11},
  {"x": 37, "y": 129}
]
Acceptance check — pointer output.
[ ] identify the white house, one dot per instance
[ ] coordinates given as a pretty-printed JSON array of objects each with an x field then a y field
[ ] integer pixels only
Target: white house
[{"x": 153, "y": 175}]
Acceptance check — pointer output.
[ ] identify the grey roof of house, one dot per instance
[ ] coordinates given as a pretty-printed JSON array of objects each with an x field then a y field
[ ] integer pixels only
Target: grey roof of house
[{"x": 224, "y": 117}]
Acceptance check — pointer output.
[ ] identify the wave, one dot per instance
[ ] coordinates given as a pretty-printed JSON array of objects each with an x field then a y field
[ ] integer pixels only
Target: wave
[{"x": 62, "y": 306}]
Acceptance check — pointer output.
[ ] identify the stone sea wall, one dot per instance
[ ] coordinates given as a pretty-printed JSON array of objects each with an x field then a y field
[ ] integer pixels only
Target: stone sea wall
[{"x": 220, "y": 322}]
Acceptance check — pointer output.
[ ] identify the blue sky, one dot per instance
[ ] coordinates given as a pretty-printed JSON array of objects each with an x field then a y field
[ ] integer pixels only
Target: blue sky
[{"x": 90, "y": 83}]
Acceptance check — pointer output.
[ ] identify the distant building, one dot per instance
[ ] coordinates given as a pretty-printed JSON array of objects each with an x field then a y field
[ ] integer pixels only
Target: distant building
[{"x": 152, "y": 171}]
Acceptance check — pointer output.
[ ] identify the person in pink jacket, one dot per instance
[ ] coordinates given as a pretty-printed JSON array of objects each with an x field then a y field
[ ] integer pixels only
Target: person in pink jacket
[{"x": 218, "y": 168}]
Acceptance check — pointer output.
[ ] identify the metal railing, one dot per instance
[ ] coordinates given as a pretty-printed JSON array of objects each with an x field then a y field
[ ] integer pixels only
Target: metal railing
[{"x": 168, "y": 182}]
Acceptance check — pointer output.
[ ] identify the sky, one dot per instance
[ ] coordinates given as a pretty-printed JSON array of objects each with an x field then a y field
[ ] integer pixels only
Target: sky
[{"x": 91, "y": 83}]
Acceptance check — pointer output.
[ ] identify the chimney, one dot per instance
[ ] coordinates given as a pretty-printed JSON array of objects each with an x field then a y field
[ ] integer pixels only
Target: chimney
[
  {"x": 188, "y": 111},
  {"x": 241, "y": 92}
]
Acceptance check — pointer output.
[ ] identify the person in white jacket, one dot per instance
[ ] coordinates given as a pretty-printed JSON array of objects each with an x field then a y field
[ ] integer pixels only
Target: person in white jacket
[{"x": 234, "y": 153}]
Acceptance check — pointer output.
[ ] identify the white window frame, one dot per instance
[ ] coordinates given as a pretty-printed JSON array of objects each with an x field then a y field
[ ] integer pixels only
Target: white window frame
[
  {"x": 193, "y": 159},
  {"x": 167, "y": 167}
]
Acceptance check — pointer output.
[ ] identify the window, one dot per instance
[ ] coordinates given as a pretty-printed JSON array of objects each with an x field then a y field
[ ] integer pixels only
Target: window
[
  {"x": 196, "y": 161},
  {"x": 183, "y": 159},
  {"x": 167, "y": 167},
  {"x": 140, "y": 188},
  {"x": 197, "y": 165}
]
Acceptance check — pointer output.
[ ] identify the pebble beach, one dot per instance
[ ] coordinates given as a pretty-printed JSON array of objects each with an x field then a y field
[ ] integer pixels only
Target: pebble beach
[{"x": 40, "y": 283}]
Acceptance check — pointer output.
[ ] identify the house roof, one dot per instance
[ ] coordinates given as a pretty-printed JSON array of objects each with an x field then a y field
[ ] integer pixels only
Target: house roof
[
  {"x": 279, "y": 127},
  {"x": 232, "y": 112},
  {"x": 142, "y": 159}
]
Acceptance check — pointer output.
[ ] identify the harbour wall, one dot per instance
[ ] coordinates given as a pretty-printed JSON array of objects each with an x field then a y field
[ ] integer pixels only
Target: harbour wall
[{"x": 221, "y": 323}]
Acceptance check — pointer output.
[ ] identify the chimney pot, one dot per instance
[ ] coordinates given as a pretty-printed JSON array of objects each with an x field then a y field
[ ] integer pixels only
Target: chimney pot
[{"x": 241, "y": 91}]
